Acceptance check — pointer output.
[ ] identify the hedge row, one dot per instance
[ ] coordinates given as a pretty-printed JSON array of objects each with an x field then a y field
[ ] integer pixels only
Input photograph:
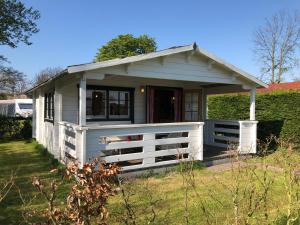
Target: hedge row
[
  {"x": 278, "y": 113},
  {"x": 15, "y": 128}
]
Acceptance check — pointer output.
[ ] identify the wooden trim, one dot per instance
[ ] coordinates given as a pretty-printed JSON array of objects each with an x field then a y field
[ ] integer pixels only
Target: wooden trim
[
  {"x": 114, "y": 88},
  {"x": 162, "y": 88}
]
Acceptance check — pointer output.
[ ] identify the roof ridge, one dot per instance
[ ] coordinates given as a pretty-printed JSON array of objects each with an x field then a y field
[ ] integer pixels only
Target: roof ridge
[{"x": 128, "y": 57}]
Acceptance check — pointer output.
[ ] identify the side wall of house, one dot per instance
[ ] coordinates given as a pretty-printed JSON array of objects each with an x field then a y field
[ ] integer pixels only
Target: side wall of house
[{"x": 44, "y": 130}]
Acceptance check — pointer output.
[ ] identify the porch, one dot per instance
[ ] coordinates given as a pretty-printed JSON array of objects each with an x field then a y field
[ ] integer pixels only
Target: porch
[{"x": 141, "y": 146}]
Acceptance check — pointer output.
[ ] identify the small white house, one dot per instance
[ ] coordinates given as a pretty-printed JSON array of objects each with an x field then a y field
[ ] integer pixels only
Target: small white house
[{"x": 142, "y": 111}]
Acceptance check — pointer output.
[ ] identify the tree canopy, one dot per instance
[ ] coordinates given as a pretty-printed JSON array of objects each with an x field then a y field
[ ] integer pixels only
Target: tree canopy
[
  {"x": 126, "y": 45},
  {"x": 17, "y": 23}
]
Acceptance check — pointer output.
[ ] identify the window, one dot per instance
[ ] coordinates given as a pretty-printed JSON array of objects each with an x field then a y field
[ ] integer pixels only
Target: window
[
  {"x": 109, "y": 103},
  {"x": 25, "y": 105},
  {"x": 49, "y": 107},
  {"x": 191, "y": 106}
]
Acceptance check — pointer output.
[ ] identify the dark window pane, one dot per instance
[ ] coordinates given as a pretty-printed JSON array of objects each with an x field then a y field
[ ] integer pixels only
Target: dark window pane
[
  {"x": 98, "y": 103},
  {"x": 113, "y": 108},
  {"x": 89, "y": 102},
  {"x": 124, "y": 108}
]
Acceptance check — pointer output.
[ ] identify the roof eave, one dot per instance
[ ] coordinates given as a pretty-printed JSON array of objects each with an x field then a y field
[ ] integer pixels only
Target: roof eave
[{"x": 45, "y": 82}]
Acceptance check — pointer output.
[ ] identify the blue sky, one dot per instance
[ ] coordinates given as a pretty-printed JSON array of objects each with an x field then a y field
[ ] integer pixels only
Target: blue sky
[{"x": 72, "y": 31}]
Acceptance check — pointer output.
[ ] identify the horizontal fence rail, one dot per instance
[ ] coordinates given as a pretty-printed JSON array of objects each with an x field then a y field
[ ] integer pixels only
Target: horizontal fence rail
[
  {"x": 230, "y": 134},
  {"x": 138, "y": 146}
]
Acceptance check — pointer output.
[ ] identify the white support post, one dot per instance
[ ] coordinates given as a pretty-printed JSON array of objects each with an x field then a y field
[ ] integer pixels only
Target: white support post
[
  {"x": 58, "y": 118},
  {"x": 34, "y": 115},
  {"x": 196, "y": 143},
  {"x": 83, "y": 148},
  {"x": 82, "y": 101},
  {"x": 149, "y": 148},
  {"x": 252, "y": 103}
]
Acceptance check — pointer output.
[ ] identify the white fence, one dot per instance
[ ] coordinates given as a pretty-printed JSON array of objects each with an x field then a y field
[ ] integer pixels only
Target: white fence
[
  {"x": 222, "y": 133},
  {"x": 138, "y": 146}
]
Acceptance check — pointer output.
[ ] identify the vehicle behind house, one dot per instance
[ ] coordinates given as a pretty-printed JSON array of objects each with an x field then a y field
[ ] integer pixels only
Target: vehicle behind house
[{"x": 16, "y": 108}]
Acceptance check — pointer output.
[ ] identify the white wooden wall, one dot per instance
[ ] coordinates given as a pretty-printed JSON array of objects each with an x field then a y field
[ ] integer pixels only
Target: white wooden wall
[{"x": 179, "y": 67}]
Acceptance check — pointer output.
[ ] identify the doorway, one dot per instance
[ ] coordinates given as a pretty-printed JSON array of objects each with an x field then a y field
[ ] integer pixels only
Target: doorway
[{"x": 164, "y": 105}]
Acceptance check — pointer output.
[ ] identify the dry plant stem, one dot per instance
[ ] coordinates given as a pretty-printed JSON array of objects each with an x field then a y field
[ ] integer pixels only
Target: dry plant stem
[
  {"x": 188, "y": 181},
  {"x": 6, "y": 186},
  {"x": 130, "y": 214}
]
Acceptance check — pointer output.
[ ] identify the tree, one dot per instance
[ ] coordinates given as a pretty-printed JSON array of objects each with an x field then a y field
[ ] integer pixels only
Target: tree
[
  {"x": 45, "y": 74},
  {"x": 126, "y": 45},
  {"x": 276, "y": 43},
  {"x": 17, "y": 23},
  {"x": 12, "y": 81}
]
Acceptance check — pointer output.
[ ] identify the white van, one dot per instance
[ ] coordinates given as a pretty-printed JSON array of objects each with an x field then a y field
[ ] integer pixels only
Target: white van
[{"x": 16, "y": 108}]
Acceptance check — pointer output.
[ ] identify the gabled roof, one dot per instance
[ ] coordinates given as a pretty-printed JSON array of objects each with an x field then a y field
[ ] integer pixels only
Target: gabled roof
[
  {"x": 130, "y": 59},
  {"x": 166, "y": 52}
]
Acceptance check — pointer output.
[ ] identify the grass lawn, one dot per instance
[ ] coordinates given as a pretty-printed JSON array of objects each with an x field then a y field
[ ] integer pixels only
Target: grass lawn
[{"x": 161, "y": 197}]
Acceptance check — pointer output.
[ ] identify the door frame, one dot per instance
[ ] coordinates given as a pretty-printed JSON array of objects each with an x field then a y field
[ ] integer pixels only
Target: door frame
[{"x": 162, "y": 88}]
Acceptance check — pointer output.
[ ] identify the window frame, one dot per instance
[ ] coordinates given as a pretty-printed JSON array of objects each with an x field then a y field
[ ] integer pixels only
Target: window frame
[
  {"x": 49, "y": 107},
  {"x": 199, "y": 111},
  {"x": 114, "y": 88}
]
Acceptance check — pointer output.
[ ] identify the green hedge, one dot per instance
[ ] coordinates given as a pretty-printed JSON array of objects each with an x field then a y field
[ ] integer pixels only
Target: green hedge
[
  {"x": 278, "y": 113},
  {"x": 15, "y": 128}
]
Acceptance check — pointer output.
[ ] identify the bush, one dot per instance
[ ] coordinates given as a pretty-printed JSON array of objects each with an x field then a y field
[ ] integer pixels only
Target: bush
[
  {"x": 278, "y": 112},
  {"x": 13, "y": 128}
]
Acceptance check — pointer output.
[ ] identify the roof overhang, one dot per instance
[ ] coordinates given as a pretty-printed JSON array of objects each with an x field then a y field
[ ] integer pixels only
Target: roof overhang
[{"x": 188, "y": 48}]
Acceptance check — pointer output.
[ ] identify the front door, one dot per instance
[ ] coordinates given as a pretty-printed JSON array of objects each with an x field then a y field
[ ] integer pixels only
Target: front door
[{"x": 164, "y": 104}]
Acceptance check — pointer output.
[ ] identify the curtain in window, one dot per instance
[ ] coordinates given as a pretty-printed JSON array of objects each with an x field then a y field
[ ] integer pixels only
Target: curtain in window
[
  {"x": 178, "y": 105},
  {"x": 150, "y": 104}
]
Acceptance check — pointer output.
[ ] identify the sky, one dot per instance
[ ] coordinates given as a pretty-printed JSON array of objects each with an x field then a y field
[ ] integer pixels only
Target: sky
[{"x": 71, "y": 31}]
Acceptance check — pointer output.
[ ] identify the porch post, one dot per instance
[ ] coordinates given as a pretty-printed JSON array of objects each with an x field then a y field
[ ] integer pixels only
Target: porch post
[
  {"x": 34, "y": 114},
  {"x": 252, "y": 103},
  {"x": 82, "y": 101}
]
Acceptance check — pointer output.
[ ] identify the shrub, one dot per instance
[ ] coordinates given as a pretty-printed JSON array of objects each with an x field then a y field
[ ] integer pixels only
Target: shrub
[
  {"x": 278, "y": 112},
  {"x": 13, "y": 128}
]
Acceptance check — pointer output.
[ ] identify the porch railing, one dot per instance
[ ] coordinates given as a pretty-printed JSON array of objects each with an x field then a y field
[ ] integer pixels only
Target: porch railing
[
  {"x": 138, "y": 146},
  {"x": 227, "y": 133}
]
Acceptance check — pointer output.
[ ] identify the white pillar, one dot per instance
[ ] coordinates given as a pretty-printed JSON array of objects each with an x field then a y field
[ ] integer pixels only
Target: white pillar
[
  {"x": 82, "y": 101},
  {"x": 34, "y": 114},
  {"x": 252, "y": 103}
]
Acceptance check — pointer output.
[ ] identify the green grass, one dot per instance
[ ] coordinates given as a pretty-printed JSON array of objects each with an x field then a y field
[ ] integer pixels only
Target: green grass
[
  {"x": 26, "y": 160},
  {"x": 167, "y": 191}
]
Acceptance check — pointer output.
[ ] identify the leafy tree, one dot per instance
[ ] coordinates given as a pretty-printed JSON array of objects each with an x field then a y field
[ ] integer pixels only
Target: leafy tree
[
  {"x": 45, "y": 74},
  {"x": 126, "y": 45},
  {"x": 17, "y": 23},
  {"x": 276, "y": 43}
]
